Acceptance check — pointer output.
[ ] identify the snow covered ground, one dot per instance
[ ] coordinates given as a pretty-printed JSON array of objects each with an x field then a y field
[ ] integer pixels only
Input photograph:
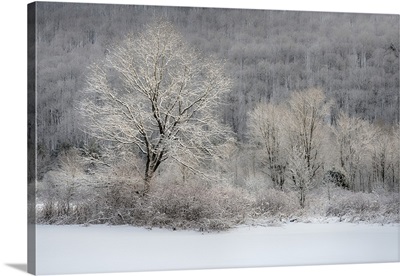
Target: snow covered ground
[{"x": 101, "y": 248}]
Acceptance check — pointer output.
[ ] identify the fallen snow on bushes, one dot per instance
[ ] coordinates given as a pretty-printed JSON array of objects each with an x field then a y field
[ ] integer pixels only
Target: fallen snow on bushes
[{"x": 101, "y": 248}]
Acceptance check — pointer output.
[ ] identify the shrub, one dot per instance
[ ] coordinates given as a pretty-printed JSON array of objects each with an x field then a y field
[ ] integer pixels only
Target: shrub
[
  {"x": 272, "y": 203},
  {"x": 354, "y": 207},
  {"x": 191, "y": 205},
  {"x": 195, "y": 206},
  {"x": 390, "y": 208},
  {"x": 336, "y": 177},
  {"x": 257, "y": 183},
  {"x": 111, "y": 195}
]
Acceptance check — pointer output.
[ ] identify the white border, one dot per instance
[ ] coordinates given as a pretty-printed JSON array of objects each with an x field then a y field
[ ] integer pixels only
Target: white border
[{"x": 13, "y": 131}]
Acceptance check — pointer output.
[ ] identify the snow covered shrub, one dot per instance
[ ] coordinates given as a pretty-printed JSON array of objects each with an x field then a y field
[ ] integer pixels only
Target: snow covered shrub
[
  {"x": 182, "y": 202},
  {"x": 352, "y": 206},
  {"x": 70, "y": 194},
  {"x": 62, "y": 189},
  {"x": 256, "y": 183},
  {"x": 318, "y": 200},
  {"x": 273, "y": 202},
  {"x": 236, "y": 202},
  {"x": 196, "y": 206},
  {"x": 377, "y": 207},
  {"x": 390, "y": 207}
]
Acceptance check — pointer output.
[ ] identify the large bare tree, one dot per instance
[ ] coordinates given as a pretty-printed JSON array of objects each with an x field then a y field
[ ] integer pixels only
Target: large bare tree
[{"x": 156, "y": 93}]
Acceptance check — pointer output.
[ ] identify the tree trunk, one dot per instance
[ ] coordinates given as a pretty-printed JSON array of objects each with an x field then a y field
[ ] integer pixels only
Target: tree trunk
[
  {"x": 302, "y": 198},
  {"x": 147, "y": 184}
]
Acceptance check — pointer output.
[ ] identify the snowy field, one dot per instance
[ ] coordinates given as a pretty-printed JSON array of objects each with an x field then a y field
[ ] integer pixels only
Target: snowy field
[{"x": 101, "y": 248}]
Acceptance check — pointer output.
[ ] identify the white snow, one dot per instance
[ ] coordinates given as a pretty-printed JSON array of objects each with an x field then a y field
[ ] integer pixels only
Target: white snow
[{"x": 101, "y": 248}]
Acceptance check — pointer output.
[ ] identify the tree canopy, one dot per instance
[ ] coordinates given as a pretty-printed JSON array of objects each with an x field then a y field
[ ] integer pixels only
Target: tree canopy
[{"x": 154, "y": 92}]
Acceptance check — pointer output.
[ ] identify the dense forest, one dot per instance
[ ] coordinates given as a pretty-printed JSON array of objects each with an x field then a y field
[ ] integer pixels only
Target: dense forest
[
  {"x": 354, "y": 58},
  {"x": 343, "y": 68}
]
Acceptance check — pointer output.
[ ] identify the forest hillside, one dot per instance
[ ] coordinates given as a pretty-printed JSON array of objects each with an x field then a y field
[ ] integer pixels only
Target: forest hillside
[{"x": 354, "y": 58}]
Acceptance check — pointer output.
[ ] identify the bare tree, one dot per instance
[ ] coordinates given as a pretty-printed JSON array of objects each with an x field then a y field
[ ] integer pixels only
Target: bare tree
[
  {"x": 156, "y": 93},
  {"x": 354, "y": 138},
  {"x": 385, "y": 156},
  {"x": 395, "y": 156},
  {"x": 291, "y": 138},
  {"x": 265, "y": 124},
  {"x": 300, "y": 174},
  {"x": 306, "y": 132},
  {"x": 380, "y": 155},
  {"x": 67, "y": 184}
]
